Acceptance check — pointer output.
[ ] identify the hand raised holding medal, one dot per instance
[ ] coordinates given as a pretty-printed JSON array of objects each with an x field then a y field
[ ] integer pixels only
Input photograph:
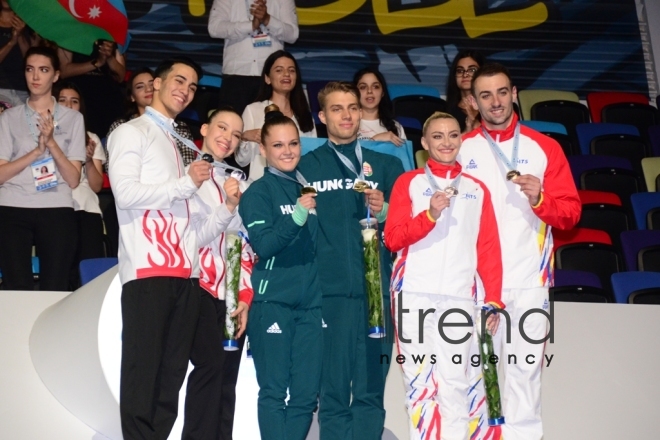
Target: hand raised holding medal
[
  {"x": 306, "y": 200},
  {"x": 530, "y": 186},
  {"x": 439, "y": 202}
]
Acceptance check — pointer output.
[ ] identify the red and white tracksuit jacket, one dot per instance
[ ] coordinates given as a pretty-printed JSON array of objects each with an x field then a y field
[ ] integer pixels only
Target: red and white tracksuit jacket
[
  {"x": 212, "y": 238},
  {"x": 527, "y": 251},
  {"x": 152, "y": 192},
  {"x": 443, "y": 257},
  {"x": 435, "y": 272},
  {"x": 528, "y": 260}
]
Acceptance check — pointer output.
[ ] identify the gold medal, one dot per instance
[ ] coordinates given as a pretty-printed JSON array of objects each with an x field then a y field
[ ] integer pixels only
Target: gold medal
[
  {"x": 512, "y": 174},
  {"x": 451, "y": 191},
  {"x": 360, "y": 186},
  {"x": 307, "y": 190}
]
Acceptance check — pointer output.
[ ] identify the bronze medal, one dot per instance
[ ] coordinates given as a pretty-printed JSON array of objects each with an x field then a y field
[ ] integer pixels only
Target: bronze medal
[
  {"x": 512, "y": 174},
  {"x": 451, "y": 191},
  {"x": 307, "y": 190},
  {"x": 360, "y": 186}
]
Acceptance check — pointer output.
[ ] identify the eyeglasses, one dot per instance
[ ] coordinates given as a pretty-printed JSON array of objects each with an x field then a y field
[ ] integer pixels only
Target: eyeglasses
[{"x": 461, "y": 72}]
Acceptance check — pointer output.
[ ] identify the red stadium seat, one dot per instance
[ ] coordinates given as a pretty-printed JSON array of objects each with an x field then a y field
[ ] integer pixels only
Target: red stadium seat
[
  {"x": 579, "y": 235},
  {"x": 588, "y": 197},
  {"x": 598, "y": 100}
]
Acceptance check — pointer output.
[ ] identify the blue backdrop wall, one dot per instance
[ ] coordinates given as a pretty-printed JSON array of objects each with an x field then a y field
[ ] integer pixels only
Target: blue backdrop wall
[{"x": 579, "y": 45}]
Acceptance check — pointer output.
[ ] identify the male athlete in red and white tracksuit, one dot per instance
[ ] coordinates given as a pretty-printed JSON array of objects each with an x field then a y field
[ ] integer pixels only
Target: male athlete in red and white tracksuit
[
  {"x": 527, "y": 256},
  {"x": 434, "y": 271}
]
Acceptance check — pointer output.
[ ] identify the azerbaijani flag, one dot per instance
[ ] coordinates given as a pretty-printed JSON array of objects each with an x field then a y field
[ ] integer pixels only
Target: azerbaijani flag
[{"x": 75, "y": 24}]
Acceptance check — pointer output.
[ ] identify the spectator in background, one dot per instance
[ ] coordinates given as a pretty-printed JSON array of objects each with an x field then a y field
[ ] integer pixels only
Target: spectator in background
[
  {"x": 14, "y": 43},
  {"x": 282, "y": 86},
  {"x": 252, "y": 30},
  {"x": 462, "y": 70},
  {"x": 99, "y": 77},
  {"x": 85, "y": 200},
  {"x": 34, "y": 209},
  {"x": 377, "y": 122},
  {"x": 139, "y": 93}
]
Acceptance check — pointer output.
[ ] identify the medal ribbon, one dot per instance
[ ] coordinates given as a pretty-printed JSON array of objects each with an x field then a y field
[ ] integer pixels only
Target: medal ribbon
[
  {"x": 188, "y": 143},
  {"x": 434, "y": 183},
  {"x": 347, "y": 162},
  {"x": 513, "y": 164},
  {"x": 300, "y": 178}
]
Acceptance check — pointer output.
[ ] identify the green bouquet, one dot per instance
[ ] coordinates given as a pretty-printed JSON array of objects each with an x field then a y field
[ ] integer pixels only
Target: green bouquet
[
  {"x": 372, "y": 276},
  {"x": 233, "y": 258},
  {"x": 489, "y": 370}
]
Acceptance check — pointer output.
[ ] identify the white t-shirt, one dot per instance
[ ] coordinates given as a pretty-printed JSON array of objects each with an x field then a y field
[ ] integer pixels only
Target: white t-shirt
[
  {"x": 248, "y": 152},
  {"x": 370, "y": 128},
  {"x": 230, "y": 19},
  {"x": 84, "y": 198}
]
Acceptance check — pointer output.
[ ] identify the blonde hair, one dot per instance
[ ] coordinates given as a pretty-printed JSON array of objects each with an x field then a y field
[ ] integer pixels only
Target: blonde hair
[
  {"x": 433, "y": 117},
  {"x": 337, "y": 86}
]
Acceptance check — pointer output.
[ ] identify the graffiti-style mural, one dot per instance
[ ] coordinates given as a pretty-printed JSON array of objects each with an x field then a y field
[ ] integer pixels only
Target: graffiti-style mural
[{"x": 579, "y": 45}]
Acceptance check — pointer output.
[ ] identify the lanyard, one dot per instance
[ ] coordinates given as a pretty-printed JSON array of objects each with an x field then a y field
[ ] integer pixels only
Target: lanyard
[
  {"x": 188, "y": 143},
  {"x": 513, "y": 164},
  {"x": 300, "y": 179},
  {"x": 347, "y": 162},
  {"x": 29, "y": 115},
  {"x": 451, "y": 190}
]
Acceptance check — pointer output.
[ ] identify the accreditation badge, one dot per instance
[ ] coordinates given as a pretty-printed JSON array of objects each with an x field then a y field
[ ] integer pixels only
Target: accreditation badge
[
  {"x": 44, "y": 174},
  {"x": 260, "y": 37}
]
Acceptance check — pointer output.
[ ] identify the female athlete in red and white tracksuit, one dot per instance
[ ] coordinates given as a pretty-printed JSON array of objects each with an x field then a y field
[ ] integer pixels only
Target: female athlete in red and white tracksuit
[{"x": 434, "y": 272}]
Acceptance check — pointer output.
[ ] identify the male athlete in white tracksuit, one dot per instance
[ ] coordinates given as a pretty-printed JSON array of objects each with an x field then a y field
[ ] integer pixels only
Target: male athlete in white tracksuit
[
  {"x": 442, "y": 243},
  {"x": 540, "y": 195}
]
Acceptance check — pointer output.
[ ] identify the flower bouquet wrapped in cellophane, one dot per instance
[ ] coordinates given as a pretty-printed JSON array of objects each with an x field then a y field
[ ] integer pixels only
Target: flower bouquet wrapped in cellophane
[
  {"x": 372, "y": 275},
  {"x": 233, "y": 258},
  {"x": 489, "y": 371}
]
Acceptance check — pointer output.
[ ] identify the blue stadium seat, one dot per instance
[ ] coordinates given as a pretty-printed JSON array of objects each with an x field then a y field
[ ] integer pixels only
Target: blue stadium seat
[
  {"x": 396, "y": 90},
  {"x": 93, "y": 267},
  {"x": 642, "y": 203},
  {"x": 624, "y": 283},
  {"x": 546, "y": 127},
  {"x": 586, "y": 132}
]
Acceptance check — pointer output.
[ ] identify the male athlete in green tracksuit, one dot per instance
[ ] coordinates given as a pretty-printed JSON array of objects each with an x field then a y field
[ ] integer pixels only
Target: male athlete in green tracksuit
[
  {"x": 284, "y": 322},
  {"x": 353, "y": 377}
]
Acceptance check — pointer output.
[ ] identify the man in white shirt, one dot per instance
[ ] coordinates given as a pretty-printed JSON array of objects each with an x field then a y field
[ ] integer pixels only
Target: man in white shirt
[{"x": 252, "y": 30}]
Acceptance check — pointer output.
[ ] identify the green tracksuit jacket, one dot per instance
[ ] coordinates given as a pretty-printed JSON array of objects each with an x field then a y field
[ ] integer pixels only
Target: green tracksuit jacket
[
  {"x": 284, "y": 323},
  {"x": 353, "y": 377},
  {"x": 286, "y": 271}
]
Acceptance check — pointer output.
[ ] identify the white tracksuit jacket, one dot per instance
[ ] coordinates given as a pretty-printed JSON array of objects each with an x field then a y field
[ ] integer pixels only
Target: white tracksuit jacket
[
  {"x": 212, "y": 241},
  {"x": 158, "y": 236}
]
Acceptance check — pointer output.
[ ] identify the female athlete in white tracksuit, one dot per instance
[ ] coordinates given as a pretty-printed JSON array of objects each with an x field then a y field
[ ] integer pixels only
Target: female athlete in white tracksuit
[
  {"x": 442, "y": 242},
  {"x": 211, "y": 385}
]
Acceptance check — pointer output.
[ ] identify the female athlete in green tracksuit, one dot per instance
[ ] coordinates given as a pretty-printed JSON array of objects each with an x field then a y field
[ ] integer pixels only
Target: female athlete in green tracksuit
[{"x": 284, "y": 325}]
